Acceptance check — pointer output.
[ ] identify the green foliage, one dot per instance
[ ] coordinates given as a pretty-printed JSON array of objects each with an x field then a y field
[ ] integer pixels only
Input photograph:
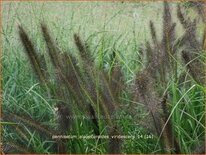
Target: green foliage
[{"x": 87, "y": 65}]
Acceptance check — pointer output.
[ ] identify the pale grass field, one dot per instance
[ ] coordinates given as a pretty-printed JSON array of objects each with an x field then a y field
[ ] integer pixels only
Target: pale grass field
[
  {"x": 127, "y": 22},
  {"x": 113, "y": 19}
]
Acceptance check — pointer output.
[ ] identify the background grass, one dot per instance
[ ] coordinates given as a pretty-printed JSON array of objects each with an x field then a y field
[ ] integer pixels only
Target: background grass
[{"x": 105, "y": 26}]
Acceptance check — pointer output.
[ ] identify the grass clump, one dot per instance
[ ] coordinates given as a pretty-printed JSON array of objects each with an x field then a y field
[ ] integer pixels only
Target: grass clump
[{"x": 85, "y": 89}]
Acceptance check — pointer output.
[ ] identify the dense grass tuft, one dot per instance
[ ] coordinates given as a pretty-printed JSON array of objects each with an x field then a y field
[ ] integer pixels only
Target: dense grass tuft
[{"x": 108, "y": 72}]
